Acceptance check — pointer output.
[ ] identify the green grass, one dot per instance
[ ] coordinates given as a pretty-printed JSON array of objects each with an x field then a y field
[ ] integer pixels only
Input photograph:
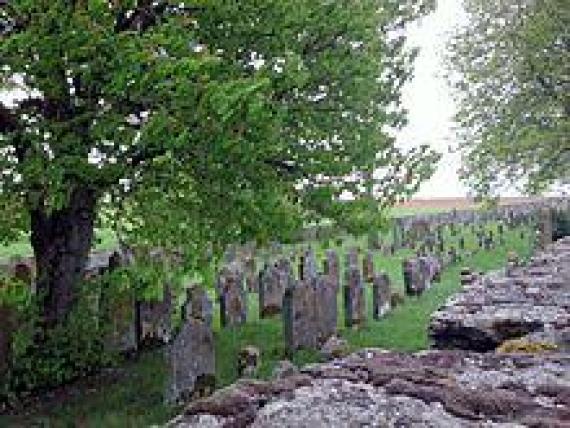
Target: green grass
[{"x": 136, "y": 398}]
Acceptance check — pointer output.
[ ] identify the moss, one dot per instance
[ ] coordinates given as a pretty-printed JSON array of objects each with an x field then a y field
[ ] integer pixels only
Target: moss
[{"x": 526, "y": 347}]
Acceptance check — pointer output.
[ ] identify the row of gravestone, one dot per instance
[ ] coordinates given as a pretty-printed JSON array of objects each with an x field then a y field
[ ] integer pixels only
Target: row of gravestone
[
  {"x": 130, "y": 323},
  {"x": 308, "y": 305},
  {"x": 515, "y": 215}
]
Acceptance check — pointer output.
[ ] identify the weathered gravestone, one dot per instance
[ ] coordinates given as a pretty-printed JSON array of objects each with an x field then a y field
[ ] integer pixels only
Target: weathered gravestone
[
  {"x": 381, "y": 295},
  {"x": 325, "y": 307},
  {"x": 274, "y": 280},
  {"x": 352, "y": 257},
  {"x": 308, "y": 265},
  {"x": 299, "y": 318},
  {"x": 413, "y": 279},
  {"x": 545, "y": 227},
  {"x": 155, "y": 319},
  {"x": 354, "y": 304},
  {"x": 190, "y": 357},
  {"x": 232, "y": 296},
  {"x": 368, "y": 266},
  {"x": 332, "y": 268}
]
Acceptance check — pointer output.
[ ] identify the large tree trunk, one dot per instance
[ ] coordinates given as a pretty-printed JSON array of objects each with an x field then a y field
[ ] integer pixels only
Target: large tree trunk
[{"x": 61, "y": 241}]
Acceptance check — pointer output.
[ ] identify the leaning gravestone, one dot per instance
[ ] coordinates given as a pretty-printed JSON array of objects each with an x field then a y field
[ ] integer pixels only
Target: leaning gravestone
[
  {"x": 354, "y": 304},
  {"x": 190, "y": 357},
  {"x": 380, "y": 295},
  {"x": 232, "y": 296},
  {"x": 299, "y": 319}
]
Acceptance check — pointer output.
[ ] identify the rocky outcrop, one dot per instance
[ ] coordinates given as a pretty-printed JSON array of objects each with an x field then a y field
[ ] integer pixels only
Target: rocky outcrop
[
  {"x": 531, "y": 302},
  {"x": 381, "y": 388}
]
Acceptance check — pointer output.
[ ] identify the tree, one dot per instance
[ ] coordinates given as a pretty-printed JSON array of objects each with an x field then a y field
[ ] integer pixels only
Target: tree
[
  {"x": 510, "y": 67},
  {"x": 193, "y": 125}
]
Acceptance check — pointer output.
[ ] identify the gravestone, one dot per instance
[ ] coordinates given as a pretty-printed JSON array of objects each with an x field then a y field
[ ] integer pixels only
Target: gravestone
[
  {"x": 325, "y": 307},
  {"x": 123, "y": 326},
  {"x": 274, "y": 281},
  {"x": 413, "y": 281},
  {"x": 354, "y": 304},
  {"x": 232, "y": 296},
  {"x": 308, "y": 265},
  {"x": 299, "y": 319},
  {"x": 453, "y": 256},
  {"x": 545, "y": 227},
  {"x": 332, "y": 268},
  {"x": 462, "y": 243},
  {"x": 155, "y": 318},
  {"x": 368, "y": 266},
  {"x": 381, "y": 294},
  {"x": 190, "y": 357},
  {"x": 352, "y": 258}
]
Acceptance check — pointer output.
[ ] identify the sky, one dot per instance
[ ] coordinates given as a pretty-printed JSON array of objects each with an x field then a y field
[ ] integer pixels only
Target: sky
[{"x": 429, "y": 100}]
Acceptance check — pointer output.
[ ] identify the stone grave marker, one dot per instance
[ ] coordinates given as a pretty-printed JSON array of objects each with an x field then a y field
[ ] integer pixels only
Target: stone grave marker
[
  {"x": 413, "y": 280},
  {"x": 308, "y": 265},
  {"x": 368, "y": 266},
  {"x": 190, "y": 356},
  {"x": 381, "y": 295},
  {"x": 354, "y": 304},
  {"x": 155, "y": 319},
  {"x": 299, "y": 319},
  {"x": 275, "y": 280},
  {"x": 325, "y": 307},
  {"x": 352, "y": 258},
  {"x": 332, "y": 268},
  {"x": 232, "y": 296}
]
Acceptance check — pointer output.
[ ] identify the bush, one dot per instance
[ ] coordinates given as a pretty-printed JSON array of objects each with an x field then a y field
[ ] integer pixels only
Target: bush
[{"x": 43, "y": 359}]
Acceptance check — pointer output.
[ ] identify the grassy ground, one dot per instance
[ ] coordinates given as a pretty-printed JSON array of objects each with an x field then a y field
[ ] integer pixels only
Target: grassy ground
[
  {"x": 104, "y": 240},
  {"x": 134, "y": 398}
]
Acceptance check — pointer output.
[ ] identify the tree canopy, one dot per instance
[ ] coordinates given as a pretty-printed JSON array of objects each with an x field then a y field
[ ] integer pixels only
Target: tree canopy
[
  {"x": 511, "y": 71},
  {"x": 197, "y": 124}
]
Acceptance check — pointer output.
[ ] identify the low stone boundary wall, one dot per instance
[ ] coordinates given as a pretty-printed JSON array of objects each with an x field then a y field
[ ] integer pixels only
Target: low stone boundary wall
[
  {"x": 380, "y": 388},
  {"x": 511, "y": 304}
]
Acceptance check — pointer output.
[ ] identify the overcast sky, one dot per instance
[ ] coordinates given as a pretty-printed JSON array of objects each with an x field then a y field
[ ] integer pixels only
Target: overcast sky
[{"x": 429, "y": 100}]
